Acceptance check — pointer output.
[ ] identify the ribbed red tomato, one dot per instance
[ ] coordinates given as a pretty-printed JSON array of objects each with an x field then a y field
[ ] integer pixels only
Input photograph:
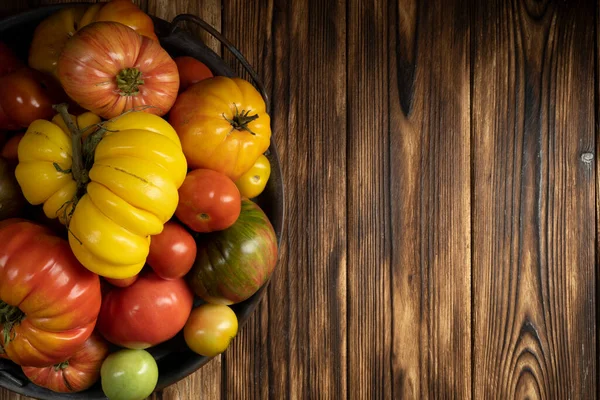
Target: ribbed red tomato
[
  {"x": 49, "y": 302},
  {"x": 78, "y": 372},
  {"x": 108, "y": 68}
]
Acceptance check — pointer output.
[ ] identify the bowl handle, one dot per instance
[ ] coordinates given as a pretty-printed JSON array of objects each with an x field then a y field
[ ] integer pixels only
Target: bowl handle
[
  {"x": 210, "y": 29},
  {"x": 6, "y": 374}
]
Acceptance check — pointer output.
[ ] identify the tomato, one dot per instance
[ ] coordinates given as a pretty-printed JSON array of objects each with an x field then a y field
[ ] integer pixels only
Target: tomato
[
  {"x": 129, "y": 375},
  {"x": 52, "y": 33},
  {"x": 131, "y": 188},
  {"x": 108, "y": 68},
  {"x": 27, "y": 95},
  {"x": 9, "y": 150},
  {"x": 210, "y": 328},
  {"x": 12, "y": 201},
  {"x": 223, "y": 125},
  {"x": 208, "y": 201},
  {"x": 129, "y": 14},
  {"x": 253, "y": 182},
  {"x": 77, "y": 373},
  {"x": 9, "y": 62},
  {"x": 147, "y": 313},
  {"x": 191, "y": 71},
  {"x": 172, "y": 252},
  {"x": 122, "y": 282},
  {"x": 49, "y": 303},
  {"x": 233, "y": 264}
]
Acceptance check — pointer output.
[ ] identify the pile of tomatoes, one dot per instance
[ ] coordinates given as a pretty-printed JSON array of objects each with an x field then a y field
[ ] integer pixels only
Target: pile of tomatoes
[{"x": 127, "y": 180}]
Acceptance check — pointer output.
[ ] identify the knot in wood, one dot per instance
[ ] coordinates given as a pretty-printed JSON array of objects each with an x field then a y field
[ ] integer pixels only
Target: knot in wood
[{"x": 587, "y": 157}]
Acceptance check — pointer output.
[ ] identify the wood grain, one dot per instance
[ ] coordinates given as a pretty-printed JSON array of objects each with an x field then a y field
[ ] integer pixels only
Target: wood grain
[
  {"x": 441, "y": 203},
  {"x": 429, "y": 198},
  {"x": 368, "y": 172},
  {"x": 534, "y": 191},
  {"x": 297, "y": 347}
]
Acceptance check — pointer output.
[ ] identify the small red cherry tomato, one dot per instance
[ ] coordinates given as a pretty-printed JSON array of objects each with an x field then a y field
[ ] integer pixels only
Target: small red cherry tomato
[
  {"x": 208, "y": 201},
  {"x": 172, "y": 252}
]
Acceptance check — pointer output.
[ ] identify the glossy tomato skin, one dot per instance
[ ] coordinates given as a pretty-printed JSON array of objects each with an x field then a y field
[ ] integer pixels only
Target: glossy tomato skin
[
  {"x": 59, "y": 299},
  {"x": 210, "y": 328},
  {"x": 208, "y": 201},
  {"x": 235, "y": 263},
  {"x": 27, "y": 95},
  {"x": 76, "y": 374},
  {"x": 253, "y": 182},
  {"x": 129, "y": 375},
  {"x": 127, "y": 13},
  {"x": 172, "y": 252},
  {"x": 147, "y": 313},
  {"x": 191, "y": 71},
  {"x": 135, "y": 72}
]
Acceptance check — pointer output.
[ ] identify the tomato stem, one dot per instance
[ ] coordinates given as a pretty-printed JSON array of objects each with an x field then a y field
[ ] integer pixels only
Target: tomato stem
[
  {"x": 128, "y": 81},
  {"x": 241, "y": 120},
  {"x": 9, "y": 317},
  {"x": 77, "y": 168},
  {"x": 62, "y": 365}
]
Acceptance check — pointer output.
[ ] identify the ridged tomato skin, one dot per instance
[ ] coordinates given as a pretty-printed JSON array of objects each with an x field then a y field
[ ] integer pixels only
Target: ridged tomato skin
[
  {"x": 108, "y": 68},
  {"x": 58, "y": 298}
]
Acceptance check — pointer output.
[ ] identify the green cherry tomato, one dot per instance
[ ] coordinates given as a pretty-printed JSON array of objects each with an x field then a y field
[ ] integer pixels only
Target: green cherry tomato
[
  {"x": 129, "y": 375},
  {"x": 253, "y": 182},
  {"x": 210, "y": 328}
]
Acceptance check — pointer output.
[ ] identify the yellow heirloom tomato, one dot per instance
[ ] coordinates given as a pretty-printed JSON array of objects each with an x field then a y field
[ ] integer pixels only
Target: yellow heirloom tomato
[{"x": 125, "y": 196}]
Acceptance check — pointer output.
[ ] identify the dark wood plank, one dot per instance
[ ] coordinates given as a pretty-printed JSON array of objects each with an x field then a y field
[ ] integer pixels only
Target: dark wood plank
[
  {"x": 534, "y": 192},
  {"x": 368, "y": 168},
  {"x": 429, "y": 199},
  {"x": 296, "y": 346}
]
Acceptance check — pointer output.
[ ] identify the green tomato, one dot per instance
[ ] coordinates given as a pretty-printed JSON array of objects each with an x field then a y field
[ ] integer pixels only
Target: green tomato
[{"x": 129, "y": 375}]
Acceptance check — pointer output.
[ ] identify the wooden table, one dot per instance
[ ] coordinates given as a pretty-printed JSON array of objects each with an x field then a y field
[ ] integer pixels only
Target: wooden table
[{"x": 441, "y": 231}]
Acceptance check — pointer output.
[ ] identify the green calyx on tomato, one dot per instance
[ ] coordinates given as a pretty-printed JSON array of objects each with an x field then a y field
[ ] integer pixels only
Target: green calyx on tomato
[
  {"x": 9, "y": 317},
  {"x": 62, "y": 365},
  {"x": 241, "y": 120},
  {"x": 128, "y": 81}
]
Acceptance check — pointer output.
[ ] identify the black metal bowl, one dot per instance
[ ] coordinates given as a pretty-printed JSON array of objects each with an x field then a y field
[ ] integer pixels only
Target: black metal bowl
[{"x": 175, "y": 360}]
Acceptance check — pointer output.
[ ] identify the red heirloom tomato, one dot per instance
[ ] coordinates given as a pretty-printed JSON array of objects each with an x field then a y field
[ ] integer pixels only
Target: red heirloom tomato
[
  {"x": 79, "y": 372},
  {"x": 191, "y": 71},
  {"x": 208, "y": 201},
  {"x": 147, "y": 313},
  {"x": 48, "y": 301},
  {"x": 108, "y": 68},
  {"x": 172, "y": 252},
  {"x": 27, "y": 95}
]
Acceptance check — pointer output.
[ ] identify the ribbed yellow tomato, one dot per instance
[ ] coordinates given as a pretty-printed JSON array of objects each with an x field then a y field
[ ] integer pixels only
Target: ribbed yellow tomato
[
  {"x": 138, "y": 166},
  {"x": 223, "y": 125}
]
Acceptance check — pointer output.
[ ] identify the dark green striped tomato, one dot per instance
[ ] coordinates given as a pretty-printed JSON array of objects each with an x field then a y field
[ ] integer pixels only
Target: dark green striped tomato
[{"x": 232, "y": 264}]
